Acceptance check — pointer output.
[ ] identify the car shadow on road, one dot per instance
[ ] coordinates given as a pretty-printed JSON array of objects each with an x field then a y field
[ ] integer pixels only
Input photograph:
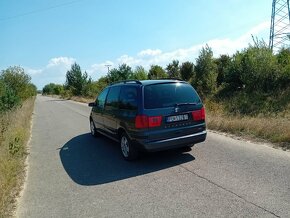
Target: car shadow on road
[{"x": 94, "y": 161}]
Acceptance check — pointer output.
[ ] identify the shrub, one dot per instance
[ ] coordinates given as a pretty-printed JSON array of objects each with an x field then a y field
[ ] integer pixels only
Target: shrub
[
  {"x": 156, "y": 72},
  {"x": 52, "y": 89},
  {"x": 187, "y": 71},
  {"x": 206, "y": 73},
  {"x": 15, "y": 87}
]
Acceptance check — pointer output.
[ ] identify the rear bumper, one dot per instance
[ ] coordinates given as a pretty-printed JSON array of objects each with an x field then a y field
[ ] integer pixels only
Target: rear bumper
[{"x": 177, "y": 142}]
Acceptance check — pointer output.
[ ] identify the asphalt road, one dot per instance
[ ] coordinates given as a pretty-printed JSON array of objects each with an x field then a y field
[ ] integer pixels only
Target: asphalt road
[{"x": 72, "y": 174}]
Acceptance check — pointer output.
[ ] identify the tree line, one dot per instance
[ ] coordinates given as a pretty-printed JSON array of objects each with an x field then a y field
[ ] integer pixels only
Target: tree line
[
  {"x": 251, "y": 81},
  {"x": 15, "y": 87}
]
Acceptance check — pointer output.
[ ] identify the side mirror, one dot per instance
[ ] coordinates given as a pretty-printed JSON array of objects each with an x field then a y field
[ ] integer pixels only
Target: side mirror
[{"x": 92, "y": 104}]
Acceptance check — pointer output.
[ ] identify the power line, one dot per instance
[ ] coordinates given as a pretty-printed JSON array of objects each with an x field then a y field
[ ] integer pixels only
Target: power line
[{"x": 40, "y": 10}]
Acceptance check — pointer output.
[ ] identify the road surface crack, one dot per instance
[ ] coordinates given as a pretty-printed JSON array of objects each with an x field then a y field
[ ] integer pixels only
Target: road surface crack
[{"x": 227, "y": 190}]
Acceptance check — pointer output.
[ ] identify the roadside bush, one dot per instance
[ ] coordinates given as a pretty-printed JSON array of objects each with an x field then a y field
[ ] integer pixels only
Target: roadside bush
[
  {"x": 156, "y": 72},
  {"x": 52, "y": 89},
  {"x": 173, "y": 69},
  {"x": 187, "y": 71},
  {"x": 15, "y": 87},
  {"x": 19, "y": 82},
  {"x": 206, "y": 73},
  {"x": 8, "y": 98},
  {"x": 223, "y": 64},
  {"x": 256, "y": 81},
  {"x": 94, "y": 88},
  {"x": 123, "y": 72},
  {"x": 139, "y": 73}
]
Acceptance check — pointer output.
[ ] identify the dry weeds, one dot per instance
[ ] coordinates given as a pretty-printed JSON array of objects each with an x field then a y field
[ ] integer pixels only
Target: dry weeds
[
  {"x": 15, "y": 132},
  {"x": 274, "y": 128}
]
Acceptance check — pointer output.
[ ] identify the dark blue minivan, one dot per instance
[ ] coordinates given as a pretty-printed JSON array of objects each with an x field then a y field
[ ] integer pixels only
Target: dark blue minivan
[{"x": 149, "y": 115}]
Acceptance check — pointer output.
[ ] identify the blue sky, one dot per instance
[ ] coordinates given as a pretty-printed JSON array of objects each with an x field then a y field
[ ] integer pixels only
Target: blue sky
[{"x": 46, "y": 37}]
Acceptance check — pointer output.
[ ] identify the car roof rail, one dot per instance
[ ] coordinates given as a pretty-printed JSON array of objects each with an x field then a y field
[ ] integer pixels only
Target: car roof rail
[{"x": 127, "y": 81}]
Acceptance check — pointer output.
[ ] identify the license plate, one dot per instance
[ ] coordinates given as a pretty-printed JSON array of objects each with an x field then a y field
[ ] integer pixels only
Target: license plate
[{"x": 177, "y": 118}]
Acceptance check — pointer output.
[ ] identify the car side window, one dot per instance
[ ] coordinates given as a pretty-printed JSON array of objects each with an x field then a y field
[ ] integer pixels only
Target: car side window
[
  {"x": 113, "y": 98},
  {"x": 128, "y": 98},
  {"x": 102, "y": 98}
]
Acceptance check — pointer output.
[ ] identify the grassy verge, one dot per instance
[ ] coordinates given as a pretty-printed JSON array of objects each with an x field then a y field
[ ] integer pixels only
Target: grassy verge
[
  {"x": 14, "y": 134},
  {"x": 273, "y": 128}
]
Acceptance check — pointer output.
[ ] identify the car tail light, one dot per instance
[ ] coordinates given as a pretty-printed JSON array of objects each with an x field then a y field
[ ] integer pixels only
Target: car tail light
[
  {"x": 144, "y": 121},
  {"x": 154, "y": 121},
  {"x": 198, "y": 114}
]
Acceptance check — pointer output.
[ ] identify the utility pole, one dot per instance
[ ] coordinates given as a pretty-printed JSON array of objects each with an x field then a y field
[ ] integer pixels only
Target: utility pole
[
  {"x": 280, "y": 25},
  {"x": 108, "y": 66}
]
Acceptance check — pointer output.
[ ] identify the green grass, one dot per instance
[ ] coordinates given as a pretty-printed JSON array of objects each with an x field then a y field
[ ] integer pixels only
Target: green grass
[{"x": 14, "y": 134}]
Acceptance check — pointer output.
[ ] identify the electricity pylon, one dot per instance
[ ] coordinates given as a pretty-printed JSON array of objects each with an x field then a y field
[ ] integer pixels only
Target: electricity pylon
[{"x": 280, "y": 25}]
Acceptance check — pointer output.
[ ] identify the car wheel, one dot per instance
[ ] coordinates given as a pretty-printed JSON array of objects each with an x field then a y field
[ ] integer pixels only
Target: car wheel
[
  {"x": 128, "y": 150},
  {"x": 93, "y": 129},
  {"x": 186, "y": 149}
]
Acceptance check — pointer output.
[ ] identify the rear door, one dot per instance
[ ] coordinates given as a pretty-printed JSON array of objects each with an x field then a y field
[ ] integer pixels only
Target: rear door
[
  {"x": 175, "y": 102},
  {"x": 128, "y": 107}
]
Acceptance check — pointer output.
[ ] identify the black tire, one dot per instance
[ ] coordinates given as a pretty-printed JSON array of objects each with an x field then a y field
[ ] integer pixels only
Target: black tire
[
  {"x": 128, "y": 150},
  {"x": 93, "y": 129},
  {"x": 186, "y": 149}
]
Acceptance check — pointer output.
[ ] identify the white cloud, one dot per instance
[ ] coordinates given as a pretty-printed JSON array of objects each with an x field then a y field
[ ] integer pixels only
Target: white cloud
[
  {"x": 56, "y": 68},
  {"x": 229, "y": 46},
  {"x": 149, "y": 52},
  {"x": 53, "y": 72},
  {"x": 60, "y": 61},
  {"x": 97, "y": 70},
  {"x": 129, "y": 60}
]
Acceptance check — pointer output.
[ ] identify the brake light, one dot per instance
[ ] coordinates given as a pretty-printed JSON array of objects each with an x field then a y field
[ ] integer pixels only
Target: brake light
[
  {"x": 141, "y": 121},
  {"x": 155, "y": 121},
  {"x": 144, "y": 121},
  {"x": 199, "y": 114}
]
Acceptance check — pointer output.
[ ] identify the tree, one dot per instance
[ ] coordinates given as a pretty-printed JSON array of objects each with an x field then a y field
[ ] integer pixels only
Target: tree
[
  {"x": 156, "y": 72},
  {"x": 8, "y": 97},
  {"x": 223, "y": 64},
  {"x": 187, "y": 70},
  {"x": 139, "y": 73},
  {"x": 15, "y": 87},
  {"x": 259, "y": 69},
  {"x": 76, "y": 80},
  {"x": 232, "y": 76},
  {"x": 172, "y": 69},
  {"x": 95, "y": 87},
  {"x": 124, "y": 72},
  {"x": 18, "y": 82},
  {"x": 52, "y": 89},
  {"x": 206, "y": 72},
  {"x": 283, "y": 58}
]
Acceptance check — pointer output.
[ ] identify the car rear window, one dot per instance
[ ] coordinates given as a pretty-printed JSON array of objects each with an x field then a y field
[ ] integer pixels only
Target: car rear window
[{"x": 168, "y": 95}]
